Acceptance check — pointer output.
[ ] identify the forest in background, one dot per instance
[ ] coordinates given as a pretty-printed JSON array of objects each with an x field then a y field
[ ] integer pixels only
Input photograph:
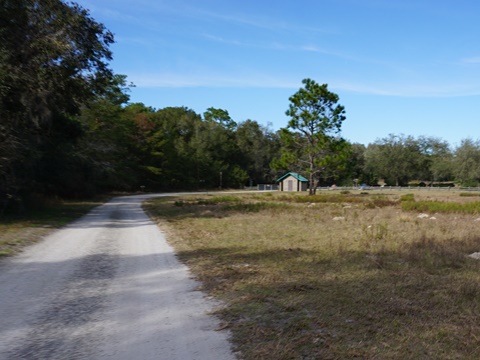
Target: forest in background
[{"x": 68, "y": 129}]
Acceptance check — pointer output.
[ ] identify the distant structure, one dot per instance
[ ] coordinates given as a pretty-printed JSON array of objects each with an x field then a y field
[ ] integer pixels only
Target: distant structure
[
  {"x": 292, "y": 182},
  {"x": 266, "y": 187}
]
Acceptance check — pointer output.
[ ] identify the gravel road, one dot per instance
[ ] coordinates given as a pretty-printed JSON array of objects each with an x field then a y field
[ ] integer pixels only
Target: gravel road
[{"x": 107, "y": 286}]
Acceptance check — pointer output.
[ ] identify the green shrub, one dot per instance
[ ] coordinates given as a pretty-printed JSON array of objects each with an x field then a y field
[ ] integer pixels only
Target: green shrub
[
  {"x": 441, "y": 207},
  {"x": 219, "y": 200},
  {"x": 381, "y": 201},
  {"x": 466, "y": 194},
  {"x": 253, "y": 207},
  {"x": 407, "y": 197}
]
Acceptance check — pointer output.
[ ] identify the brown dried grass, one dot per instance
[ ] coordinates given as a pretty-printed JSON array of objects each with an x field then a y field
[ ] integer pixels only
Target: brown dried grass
[
  {"x": 22, "y": 229},
  {"x": 376, "y": 283}
]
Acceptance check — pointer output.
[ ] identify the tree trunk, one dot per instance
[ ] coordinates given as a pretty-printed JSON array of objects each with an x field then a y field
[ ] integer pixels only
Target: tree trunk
[{"x": 313, "y": 185}]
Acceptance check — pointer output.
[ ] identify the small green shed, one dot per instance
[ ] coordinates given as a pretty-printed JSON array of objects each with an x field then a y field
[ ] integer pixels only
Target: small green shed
[{"x": 292, "y": 182}]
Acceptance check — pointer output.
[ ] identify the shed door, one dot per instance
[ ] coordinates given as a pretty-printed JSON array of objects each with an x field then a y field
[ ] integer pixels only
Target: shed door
[{"x": 290, "y": 185}]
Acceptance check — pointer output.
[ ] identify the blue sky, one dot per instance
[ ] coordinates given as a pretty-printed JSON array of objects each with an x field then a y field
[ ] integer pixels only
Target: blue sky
[{"x": 399, "y": 66}]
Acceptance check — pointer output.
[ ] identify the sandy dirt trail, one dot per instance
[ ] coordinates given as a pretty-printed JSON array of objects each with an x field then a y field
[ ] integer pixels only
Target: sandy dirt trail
[{"x": 107, "y": 286}]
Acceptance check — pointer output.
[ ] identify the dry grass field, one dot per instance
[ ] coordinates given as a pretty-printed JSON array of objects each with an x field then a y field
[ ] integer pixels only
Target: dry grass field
[{"x": 337, "y": 275}]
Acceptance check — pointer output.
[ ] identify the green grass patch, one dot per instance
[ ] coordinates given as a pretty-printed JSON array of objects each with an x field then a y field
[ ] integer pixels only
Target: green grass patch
[
  {"x": 221, "y": 199},
  {"x": 328, "y": 198},
  {"x": 431, "y": 206},
  {"x": 407, "y": 197},
  {"x": 323, "y": 198},
  {"x": 469, "y": 194}
]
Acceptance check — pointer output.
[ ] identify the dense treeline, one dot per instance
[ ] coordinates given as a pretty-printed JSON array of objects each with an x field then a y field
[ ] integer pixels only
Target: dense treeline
[
  {"x": 53, "y": 60},
  {"x": 403, "y": 160},
  {"x": 67, "y": 128},
  {"x": 137, "y": 147}
]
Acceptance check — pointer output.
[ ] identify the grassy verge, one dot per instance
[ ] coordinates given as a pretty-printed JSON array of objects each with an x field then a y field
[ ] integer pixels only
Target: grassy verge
[
  {"x": 20, "y": 230},
  {"x": 335, "y": 276}
]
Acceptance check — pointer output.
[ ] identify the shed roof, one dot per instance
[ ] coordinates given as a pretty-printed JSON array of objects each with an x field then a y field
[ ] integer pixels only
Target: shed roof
[{"x": 295, "y": 175}]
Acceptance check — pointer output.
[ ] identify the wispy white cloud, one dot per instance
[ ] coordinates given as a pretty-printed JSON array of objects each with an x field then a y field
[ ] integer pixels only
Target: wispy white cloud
[
  {"x": 135, "y": 40},
  {"x": 417, "y": 90},
  {"x": 175, "y": 80},
  {"x": 251, "y": 20},
  {"x": 108, "y": 13},
  {"x": 262, "y": 80},
  {"x": 223, "y": 40},
  {"x": 393, "y": 65},
  {"x": 320, "y": 50},
  {"x": 278, "y": 46},
  {"x": 309, "y": 48},
  {"x": 267, "y": 46},
  {"x": 471, "y": 60},
  {"x": 125, "y": 15},
  {"x": 192, "y": 11}
]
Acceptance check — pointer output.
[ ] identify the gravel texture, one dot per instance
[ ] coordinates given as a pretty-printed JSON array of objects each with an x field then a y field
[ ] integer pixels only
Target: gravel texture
[{"x": 107, "y": 286}]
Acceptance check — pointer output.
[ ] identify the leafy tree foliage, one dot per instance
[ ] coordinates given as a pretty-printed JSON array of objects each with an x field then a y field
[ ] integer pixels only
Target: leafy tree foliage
[
  {"x": 437, "y": 164},
  {"x": 219, "y": 142},
  {"x": 258, "y": 146},
  {"x": 221, "y": 117},
  {"x": 105, "y": 148},
  {"x": 175, "y": 148},
  {"x": 355, "y": 172},
  {"x": 53, "y": 59},
  {"x": 396, "y": 159},
  {"x": 311, "y": 139},
  {"x": 466, "y": 162}
]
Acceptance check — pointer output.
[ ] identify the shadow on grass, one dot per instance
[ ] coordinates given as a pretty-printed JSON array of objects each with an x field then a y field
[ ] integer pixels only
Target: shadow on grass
[
  {"x": 183, "y": 210},
  {"x": 21, "y": 229},
  {"x": 300, "y": 304}
]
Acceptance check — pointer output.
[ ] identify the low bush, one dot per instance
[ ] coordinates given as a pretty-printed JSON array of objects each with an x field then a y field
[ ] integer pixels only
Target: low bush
[
  {"x": 407, "y": 197},
  {"x": 218, "y": 200},
  {"x": 432, "y": 206},
  {"x": 469, "y": 194}
]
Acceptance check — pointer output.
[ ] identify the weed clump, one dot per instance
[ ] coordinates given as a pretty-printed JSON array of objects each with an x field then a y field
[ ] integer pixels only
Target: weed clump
[
  {"x": 432, "y": 206},
  {"x": 469, "y": 194},
  {"x": 407, "y": 197},
  {"x": 253, "y": 207},
  {"x": 218, "y": 200}
]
